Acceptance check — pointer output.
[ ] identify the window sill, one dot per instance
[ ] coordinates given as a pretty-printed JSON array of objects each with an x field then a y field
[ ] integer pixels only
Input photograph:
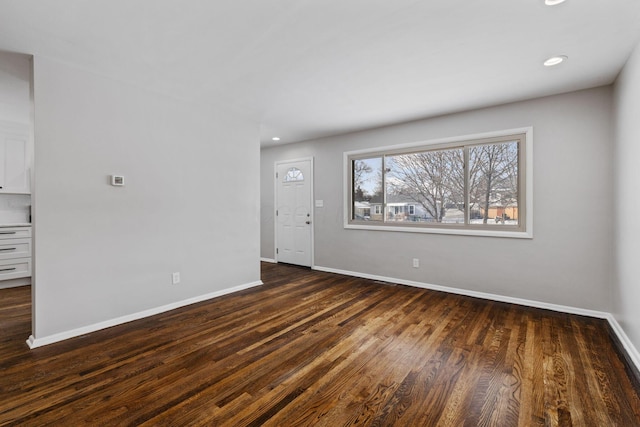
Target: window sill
[{"x": 443, "y": 230}]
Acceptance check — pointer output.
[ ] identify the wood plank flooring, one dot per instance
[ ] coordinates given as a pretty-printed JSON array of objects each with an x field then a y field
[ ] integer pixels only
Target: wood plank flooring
[{"x": 319, "y": 349}]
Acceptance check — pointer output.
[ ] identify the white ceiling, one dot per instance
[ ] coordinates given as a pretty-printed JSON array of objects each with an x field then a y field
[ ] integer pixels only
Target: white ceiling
[{"x": 311, "y": 68}]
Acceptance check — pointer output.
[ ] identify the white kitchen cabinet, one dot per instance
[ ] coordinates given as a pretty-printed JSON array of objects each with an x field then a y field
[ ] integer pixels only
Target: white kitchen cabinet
[
  {"x": 14, "y": 160},
  {"x": 15, "y": 252},
  {"x": 15, "y": 268},
  {"x": 15, "y": 248}
]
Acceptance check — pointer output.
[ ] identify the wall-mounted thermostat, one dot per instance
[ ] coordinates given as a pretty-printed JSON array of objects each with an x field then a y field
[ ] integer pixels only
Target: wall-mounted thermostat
[{"x": 117, "y": 180}]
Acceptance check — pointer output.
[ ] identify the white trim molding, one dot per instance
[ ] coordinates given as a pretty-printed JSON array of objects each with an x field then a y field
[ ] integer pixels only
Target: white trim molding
[
  {"x": 34, "y": 342},
  {"x": 14, "y": 283},
  {"x": 271, "y": 260},
  {"x": 631, "y": 350}
]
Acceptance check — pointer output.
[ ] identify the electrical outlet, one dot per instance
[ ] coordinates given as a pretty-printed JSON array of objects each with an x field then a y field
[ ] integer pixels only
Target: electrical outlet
[
  {"x": 175, "y": 278},
  {"x": 416, "y": 263}
]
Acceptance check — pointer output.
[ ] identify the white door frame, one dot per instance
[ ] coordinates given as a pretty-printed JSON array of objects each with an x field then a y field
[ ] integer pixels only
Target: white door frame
[{"x": 311, "y": 205}]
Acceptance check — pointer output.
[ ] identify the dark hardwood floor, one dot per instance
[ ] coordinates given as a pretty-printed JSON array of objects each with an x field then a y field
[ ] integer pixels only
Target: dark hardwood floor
[{"x": 312, "y": 348}]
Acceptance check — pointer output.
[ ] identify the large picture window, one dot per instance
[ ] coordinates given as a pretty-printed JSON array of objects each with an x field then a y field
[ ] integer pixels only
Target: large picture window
[{"x": 464, "y": 186}]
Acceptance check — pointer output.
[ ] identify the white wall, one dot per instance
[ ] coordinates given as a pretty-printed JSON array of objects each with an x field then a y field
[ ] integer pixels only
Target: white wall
[
  {"x": 15, "y": 76},
  {"x": 626, "y": 210},
  {"x": 190, "y": 203},
  {"x": 569, "y": 260},
  {"x": 15, "y": 108}
]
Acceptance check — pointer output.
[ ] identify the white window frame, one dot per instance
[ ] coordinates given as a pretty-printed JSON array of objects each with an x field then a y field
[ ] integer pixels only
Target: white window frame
[{"x": 487, "y": 231}]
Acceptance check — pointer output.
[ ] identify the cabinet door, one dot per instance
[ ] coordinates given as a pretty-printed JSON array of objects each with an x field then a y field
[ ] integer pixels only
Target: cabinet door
[
  {"x": 15, "y": 268},
  {"x": 14, "y": 233},
  {"x": 15, "y": 248},
  {"x": 14, "y": 167}
]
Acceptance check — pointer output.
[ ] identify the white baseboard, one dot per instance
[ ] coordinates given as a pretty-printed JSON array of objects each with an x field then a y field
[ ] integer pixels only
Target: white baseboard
[
  {"x": 632, "y": 352},
  {"x": 271, "y": 260},
  {"x": 33, "y": 342},
  {"x": 475, "y": 294},
  {"x": 14, "y": 283}
]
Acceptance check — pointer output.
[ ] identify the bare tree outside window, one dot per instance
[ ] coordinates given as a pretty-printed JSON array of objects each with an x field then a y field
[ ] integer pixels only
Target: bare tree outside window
[
  {"x": 493, "y": 182},
  {"x": 432, "y": 179},
  {"x": 367, "y": 188}
]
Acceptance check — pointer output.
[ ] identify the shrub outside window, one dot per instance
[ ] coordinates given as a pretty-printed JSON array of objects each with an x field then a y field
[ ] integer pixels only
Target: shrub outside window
[{"x": 469, "y": 185}]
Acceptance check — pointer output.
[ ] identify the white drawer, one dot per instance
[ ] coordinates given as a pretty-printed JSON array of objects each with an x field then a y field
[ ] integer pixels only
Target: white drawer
[
  {"x": 15, "y": 268},
  {"x": 15, "y": 232},
  {"x": 15, "y": 248}
]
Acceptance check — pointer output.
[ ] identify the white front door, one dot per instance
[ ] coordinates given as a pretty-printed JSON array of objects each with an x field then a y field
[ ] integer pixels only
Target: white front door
[{"x": 293, "y": 212}]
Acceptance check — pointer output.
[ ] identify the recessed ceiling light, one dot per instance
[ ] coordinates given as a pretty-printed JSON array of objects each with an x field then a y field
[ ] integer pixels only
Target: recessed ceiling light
[
  {"x": 553, "y": 2},
  {"x": 275, "y": 138},
  {"x": 555, "y": 60}
]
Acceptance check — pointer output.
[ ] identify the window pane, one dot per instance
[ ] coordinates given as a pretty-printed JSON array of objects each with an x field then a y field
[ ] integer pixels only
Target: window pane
[
  {"x": 367, "y": 189},
  {"x": 493, "y": 184},
  {"x": 431, "y": 181},
  {"x": 293, "y": 174}
]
